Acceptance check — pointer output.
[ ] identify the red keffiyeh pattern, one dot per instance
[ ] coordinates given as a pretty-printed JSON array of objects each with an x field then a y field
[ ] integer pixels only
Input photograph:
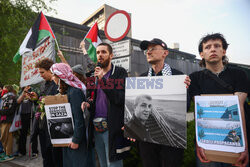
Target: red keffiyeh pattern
[{"x": 65, "y": 73}]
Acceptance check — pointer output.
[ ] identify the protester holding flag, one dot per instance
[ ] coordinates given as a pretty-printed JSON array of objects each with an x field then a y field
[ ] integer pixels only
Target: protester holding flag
[
  {"x": 7, "y": 111},
  {"x": 76, "y": 153}
]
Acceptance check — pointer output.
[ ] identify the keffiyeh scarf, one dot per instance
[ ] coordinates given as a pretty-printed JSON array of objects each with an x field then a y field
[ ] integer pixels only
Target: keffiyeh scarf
[
  {"x": 165, "y": 71},
  {"x": 65, "y": 73}
]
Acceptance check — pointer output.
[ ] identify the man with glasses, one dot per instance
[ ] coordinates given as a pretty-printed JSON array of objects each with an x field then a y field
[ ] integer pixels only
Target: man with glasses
[{"x": 155, "y": 154}]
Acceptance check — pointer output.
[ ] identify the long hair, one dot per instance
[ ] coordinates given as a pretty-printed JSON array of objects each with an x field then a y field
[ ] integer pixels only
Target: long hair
[{"x": 63, "y": 87}]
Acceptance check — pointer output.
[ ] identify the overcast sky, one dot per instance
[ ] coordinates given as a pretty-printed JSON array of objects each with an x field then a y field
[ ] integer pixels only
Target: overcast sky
[{"x": 182, "y": 21}]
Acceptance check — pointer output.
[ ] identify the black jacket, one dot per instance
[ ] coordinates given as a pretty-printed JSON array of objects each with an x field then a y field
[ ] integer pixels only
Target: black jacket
[{"x": 113, "y": 87}]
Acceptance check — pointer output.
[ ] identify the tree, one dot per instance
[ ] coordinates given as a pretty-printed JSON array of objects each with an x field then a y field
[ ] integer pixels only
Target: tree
[
  {"x": 17, "y": 17},
  {"x": 201, "y": 134},
  {"x": 200, "y": 112}
]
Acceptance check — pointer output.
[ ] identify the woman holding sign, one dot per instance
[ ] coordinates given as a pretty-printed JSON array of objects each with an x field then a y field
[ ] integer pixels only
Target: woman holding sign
[{"x": 76, "y": 154}]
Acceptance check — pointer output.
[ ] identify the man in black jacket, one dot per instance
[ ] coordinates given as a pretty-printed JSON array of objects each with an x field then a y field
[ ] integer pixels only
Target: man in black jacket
[
  {"x": 154, "y": 154},
  {"x": 218, "y": 78},
  {"x": 107, "y": 108}
]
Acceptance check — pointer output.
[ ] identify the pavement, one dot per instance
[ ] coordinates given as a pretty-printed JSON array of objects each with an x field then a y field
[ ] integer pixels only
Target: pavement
[{"x": 24, "y": 161}]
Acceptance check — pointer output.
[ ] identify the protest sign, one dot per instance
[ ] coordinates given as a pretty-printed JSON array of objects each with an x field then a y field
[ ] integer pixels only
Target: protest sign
[
  {"x": 30, "y": 74},
  {"x": 155, "y": 109},
  {"x": 219, "y": 127},
  {"x": 59, "y": 120}
]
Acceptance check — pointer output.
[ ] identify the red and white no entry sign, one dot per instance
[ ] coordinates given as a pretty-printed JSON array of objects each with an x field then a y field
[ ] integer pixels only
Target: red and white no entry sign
[{"x": 117, "y": 26}]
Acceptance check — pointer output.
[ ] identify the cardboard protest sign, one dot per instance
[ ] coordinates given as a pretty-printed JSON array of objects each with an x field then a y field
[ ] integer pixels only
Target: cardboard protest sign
[
  {"x": 219, "y": 128},
  {"x": 155, "y": 110},
  {"x": 30, "y": 74},
  {"x": 59, "y": 120}
]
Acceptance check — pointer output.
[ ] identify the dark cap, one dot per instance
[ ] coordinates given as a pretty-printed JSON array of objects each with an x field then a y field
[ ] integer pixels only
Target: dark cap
[
  {"x": 78, "y": 69},
  {"x": 155, "y": 41}
]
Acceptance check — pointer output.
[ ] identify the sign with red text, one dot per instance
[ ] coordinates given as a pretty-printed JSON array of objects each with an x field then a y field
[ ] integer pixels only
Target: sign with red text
[{"x": 30, "y": 74}]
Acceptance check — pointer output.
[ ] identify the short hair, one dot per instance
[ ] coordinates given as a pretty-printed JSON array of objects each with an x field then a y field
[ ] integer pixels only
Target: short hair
[
  {"x": 213, "y": 37},
  {"x": 44, "y": 63},
  {"x": 110, "y": 49},
  {"x": 138, "y": 99}
]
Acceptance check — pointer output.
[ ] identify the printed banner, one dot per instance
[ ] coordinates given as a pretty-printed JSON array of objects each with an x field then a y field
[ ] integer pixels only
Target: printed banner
[
  {"x": 60, "y": 123},
  {"x": 30, "y": 74},
  {"x": 219, "y": 124},
  {"x": 155, "y": 110}
]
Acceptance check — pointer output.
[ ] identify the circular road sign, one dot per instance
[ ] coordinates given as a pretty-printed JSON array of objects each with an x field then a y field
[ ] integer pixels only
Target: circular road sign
[{"x": 117, "y": 26}]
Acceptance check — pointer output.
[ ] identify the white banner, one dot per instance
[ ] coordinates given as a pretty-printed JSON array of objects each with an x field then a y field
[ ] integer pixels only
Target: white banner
[
  {"x": 60, "y": 123},
  {"x": 30, "y": 74}
]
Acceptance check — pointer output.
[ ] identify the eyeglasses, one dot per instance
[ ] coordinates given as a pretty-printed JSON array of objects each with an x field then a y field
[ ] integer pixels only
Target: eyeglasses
[{"x": 151, "y": 49}]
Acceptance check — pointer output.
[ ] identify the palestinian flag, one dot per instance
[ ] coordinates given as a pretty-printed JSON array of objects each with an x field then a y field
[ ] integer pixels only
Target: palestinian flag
[
  {"x": 94, "y": 40},
  {"x": 38, "y": 31}
]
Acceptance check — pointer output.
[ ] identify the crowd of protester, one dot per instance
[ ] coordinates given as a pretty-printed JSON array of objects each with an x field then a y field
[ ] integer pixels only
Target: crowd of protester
[{"x": 103, "y": 130}]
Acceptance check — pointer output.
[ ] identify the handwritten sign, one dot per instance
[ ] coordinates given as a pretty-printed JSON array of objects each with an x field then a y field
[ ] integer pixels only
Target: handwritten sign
[{"x": 30, "y": 74}]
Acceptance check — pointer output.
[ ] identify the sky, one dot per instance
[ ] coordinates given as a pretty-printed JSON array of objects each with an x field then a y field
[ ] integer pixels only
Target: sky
[{"x": 175, "y": 21}]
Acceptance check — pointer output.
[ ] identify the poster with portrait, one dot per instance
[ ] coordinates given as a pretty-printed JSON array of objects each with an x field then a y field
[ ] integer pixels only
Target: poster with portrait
[
  {"x": 219, "y": 123},
  {"x": 155, "y": 109},
  {"x": 60, "y": 123}
]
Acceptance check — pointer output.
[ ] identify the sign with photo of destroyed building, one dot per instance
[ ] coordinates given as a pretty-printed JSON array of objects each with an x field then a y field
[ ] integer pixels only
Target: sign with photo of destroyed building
[
  {"x": 155, "y": 110},
  {"x": 219, "y": 123}
]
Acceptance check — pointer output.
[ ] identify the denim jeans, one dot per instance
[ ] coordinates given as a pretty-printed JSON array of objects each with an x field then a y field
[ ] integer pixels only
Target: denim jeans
[{"x": 102, "y": 149}]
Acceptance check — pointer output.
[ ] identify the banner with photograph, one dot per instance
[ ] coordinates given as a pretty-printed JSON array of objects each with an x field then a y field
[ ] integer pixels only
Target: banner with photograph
[
  {"x": 219, "y": 124},
  {"x": 30, "y": 74},
  {"x": 60, "y": 123},
  {"x": 155, "y": 109}
]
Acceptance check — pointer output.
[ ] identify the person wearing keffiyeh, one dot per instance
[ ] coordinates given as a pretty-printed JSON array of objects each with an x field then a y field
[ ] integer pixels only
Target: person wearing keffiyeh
[
  {"x": 155, "y": 154},
  {"x": 76, "y": 154}
]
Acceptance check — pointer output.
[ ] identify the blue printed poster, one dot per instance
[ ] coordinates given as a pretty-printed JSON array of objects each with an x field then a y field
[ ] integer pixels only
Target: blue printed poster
[{"x": 219, "y": 124}]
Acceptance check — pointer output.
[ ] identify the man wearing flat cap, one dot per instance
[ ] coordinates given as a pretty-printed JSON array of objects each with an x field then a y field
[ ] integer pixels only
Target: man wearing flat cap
[{"x": 155, "y": 154}]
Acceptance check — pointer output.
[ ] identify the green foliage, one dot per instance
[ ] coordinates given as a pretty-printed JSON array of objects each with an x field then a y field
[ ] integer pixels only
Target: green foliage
[
  {"x": 133, "y": 159},
  {"x": 191, "y": 108},
  {"x": 189, "y": 153},
  {"x": 17, "y": 17}
]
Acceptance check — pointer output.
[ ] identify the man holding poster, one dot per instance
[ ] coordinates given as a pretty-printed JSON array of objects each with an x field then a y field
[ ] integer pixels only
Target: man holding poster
[
  {"x": 155, "y": 154},
  {"x": 218, "y": 78}
]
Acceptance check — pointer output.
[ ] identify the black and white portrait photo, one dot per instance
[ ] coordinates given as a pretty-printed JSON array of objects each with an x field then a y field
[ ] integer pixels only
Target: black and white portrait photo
[
  {"x": 156, "y": 115},
  {"x": 60, "y": 128}
]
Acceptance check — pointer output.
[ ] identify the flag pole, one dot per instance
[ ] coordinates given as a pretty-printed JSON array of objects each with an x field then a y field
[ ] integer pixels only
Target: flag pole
[{"x": 57, "y": 44}]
